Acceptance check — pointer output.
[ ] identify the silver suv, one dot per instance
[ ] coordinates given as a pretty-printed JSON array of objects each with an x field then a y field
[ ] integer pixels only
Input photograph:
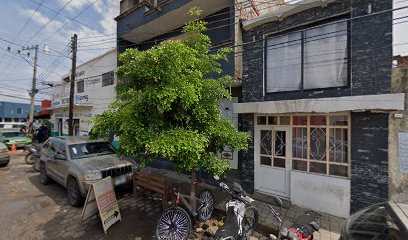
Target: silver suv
[{"x": 77, "y": 162}]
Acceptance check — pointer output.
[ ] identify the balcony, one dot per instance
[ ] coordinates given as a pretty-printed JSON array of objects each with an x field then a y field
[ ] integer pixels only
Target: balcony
[{"x": 142, "y": 20}]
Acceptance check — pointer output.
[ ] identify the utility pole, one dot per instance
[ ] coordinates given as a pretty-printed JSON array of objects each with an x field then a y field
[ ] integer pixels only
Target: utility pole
[
  {"x": 74, "y": 40},
  {"x": 33, "y": 85}
]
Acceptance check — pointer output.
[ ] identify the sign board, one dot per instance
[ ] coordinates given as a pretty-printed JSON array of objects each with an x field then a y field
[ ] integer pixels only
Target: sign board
[
  {"x": 101, "y": 198},
  {"x": 403, "y": 151}
]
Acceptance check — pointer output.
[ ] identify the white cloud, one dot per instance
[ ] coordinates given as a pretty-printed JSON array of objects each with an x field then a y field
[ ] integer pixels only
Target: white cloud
[
  {"x": 74, "y": 5},
  {"x": 41, "y": 19},
  {"x": 108, "y": 10}
]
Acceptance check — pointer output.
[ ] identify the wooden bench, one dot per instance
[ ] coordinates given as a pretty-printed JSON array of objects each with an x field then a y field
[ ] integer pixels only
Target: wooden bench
[{"x": 152, "y": 183}]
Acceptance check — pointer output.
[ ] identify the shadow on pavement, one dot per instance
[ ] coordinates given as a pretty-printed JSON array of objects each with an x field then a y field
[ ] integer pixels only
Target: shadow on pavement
[{"x": 139, "y": 217}]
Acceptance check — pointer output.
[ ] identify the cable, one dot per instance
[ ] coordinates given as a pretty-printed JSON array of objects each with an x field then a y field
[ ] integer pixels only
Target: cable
[
  {"x": 72, "y": 19},
  {"x": 210, "y": 16},
  {"x": 79, "y": 14},
  {"x": 49, "y": 21},
  {"x": 18, "y": 97},
  {"x": 25, "y": 25}
]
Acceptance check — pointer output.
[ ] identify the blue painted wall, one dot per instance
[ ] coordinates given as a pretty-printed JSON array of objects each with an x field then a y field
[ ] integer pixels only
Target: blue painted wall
[
  {"x": 137, "y": 17},
  {"x": 10, "y": 110},
  {"x": 220, "y": 26}
]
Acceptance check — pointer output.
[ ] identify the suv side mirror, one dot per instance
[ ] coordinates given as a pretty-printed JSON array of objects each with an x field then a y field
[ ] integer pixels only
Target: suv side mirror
[{"x": 59, "y": 156}]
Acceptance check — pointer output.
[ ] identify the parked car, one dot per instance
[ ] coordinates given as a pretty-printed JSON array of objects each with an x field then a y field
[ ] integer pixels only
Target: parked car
[
  {"x": 14, "y": 137},
  {"x": 77, "y": 162},
  {"x": 387, "y": 220},
  {"x": 4, "y": 155}
]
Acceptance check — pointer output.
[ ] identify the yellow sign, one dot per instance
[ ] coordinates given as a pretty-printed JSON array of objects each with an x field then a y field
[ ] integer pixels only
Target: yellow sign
[{"x": 101, "y": 197}]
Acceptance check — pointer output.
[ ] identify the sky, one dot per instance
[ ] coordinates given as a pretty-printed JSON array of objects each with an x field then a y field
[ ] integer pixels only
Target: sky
[{"x": 53, "y": 22}]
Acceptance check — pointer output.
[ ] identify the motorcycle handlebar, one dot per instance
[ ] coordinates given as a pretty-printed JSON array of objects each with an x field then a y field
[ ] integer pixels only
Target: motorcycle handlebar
[{"x": 240, "y": 196}]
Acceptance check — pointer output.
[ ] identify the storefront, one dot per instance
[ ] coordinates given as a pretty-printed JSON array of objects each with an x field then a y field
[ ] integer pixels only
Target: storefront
[
  {"x": 327, "y": 154},
  {"x": 290, "y": 147},
  {"x": 94, "y": 90}
]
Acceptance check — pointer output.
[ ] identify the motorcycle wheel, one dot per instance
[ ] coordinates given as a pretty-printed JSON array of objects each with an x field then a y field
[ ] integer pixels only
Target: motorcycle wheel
[
  {"x": 205, "y": 205},
  {"x": 29, "y": 158},
  {"x": 249, "y": 222},
  {"x": 174, "y": 223},
  {"x": 36, "y": 165}
]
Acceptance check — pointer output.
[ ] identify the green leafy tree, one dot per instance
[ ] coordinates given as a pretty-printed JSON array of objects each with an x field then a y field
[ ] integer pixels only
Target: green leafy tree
[{"x": 168, "y": 106}]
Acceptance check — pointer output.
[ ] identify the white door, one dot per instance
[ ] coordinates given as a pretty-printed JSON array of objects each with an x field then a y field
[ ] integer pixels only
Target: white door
[{"x": 272, "y": 160}]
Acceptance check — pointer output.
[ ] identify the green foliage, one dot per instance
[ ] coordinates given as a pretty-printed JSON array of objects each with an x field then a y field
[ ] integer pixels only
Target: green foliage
[{"x": 169, "y": 108}]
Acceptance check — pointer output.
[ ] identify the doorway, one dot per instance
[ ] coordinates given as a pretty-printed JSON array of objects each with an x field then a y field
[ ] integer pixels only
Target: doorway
[{"x": 272, "y": 160}]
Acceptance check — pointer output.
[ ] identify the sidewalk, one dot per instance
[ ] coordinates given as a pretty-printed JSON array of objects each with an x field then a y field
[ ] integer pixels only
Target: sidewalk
[{"x": 330, "y": 226}]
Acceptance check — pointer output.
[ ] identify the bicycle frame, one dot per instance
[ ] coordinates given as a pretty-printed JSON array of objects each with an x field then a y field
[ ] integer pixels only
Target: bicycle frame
[{"x": 183, "y": 198}]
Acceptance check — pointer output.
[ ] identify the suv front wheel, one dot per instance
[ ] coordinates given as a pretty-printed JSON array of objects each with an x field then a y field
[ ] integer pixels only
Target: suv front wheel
[
  {"x": 44, "y": 179},
  {"x": 74, "y": 194}
]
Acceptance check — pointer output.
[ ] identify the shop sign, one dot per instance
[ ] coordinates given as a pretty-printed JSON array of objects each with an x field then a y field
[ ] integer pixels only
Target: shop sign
[
  {"x": 101, "y": 198},
  {"x": 92, "y": 82}
]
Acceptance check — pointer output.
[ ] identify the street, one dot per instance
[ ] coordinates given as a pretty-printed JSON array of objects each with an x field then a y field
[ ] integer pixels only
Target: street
[{"x": 29, "y": 210}]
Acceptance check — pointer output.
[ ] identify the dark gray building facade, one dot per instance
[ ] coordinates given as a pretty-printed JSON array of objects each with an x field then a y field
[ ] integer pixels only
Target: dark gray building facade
[{"x": 316, "y": 98}]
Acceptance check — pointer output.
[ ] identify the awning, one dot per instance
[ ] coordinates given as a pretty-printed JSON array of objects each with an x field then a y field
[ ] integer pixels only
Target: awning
[{"x": 381, "y": 102}]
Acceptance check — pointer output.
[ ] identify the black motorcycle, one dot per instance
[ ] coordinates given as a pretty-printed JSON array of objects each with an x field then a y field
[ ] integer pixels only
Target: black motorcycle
[
  {"x": 241, "y": 217},
  {"x": 33, "y": 156}
]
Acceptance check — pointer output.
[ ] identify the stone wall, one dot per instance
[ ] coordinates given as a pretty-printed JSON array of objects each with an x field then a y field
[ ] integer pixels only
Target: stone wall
[
  {"x": 398, "y": 187},
  {"x": 370, "y": 42},
  {"x": 369, "y": 159}
]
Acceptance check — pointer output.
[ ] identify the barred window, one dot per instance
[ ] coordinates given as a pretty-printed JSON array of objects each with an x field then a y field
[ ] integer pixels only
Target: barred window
[
  {"x": 320, "y": 144},
  {"x": 80, "y": 86},
  {"x": 108, "y": 79}
]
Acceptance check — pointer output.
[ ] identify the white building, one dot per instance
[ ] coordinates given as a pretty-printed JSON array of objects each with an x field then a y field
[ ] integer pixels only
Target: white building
[{"x": 94, "y": 90}]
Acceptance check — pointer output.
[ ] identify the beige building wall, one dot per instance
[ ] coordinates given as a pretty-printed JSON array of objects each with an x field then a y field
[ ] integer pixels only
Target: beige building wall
[{"x": 398, "y": 182}]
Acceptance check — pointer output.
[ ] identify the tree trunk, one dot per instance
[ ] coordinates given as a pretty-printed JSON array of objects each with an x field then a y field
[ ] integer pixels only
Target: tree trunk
[{"x": 192, "y": 190}]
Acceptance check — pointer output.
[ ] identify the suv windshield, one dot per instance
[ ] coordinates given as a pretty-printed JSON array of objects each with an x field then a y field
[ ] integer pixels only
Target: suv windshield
[
  {"x": 92, "y": 148},
  {"x": 14, "y": 134}
]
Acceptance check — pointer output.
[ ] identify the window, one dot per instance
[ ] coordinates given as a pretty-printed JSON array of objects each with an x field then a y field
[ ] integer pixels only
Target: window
[
  {"x": 320, "y": 144},
  {"x": 89, "y": 149},
  {"x": 53, "y": 147},
  {"x": 308, "y": 59},
  {"x": 80, "y": 86},
  {"x": 19, "y": 110},
  {"x": 107, "y": 78},
  {"x": 284, "y": 57},
  {"x": 61, "y": 149}
]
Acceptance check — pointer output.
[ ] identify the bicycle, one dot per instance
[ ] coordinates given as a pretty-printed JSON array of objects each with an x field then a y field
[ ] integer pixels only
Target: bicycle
[{"x": 175, "y": 223}]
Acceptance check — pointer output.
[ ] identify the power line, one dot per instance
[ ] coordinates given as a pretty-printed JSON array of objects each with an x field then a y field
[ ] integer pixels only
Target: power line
[
  {"x": 16, "y": 96},
  {"x": 78, "y": 15},
  {"x": 25, "y": 25},
  {"x": 210, "y": 16},
  {"x": 49, "y": 21},
  {"x": 72, "y": 19}
]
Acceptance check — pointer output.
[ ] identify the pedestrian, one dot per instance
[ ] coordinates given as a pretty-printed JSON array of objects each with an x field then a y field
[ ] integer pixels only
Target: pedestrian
[{"x": 42, "y": 132}]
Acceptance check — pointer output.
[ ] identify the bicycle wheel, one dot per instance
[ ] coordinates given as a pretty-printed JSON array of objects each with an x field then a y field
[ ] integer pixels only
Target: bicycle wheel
[
  {"x": 174, "y": 224},
  {"x": 205, "y": 205},
  {"x": 249, "y": 222}
]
